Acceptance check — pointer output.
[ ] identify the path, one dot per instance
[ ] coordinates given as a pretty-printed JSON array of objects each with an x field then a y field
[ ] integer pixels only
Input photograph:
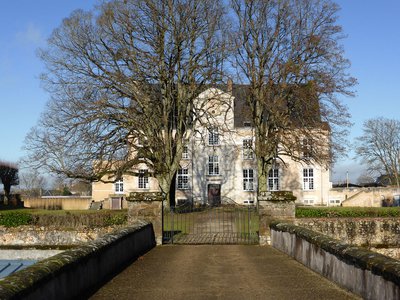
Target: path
[{"x": 218, "y": 272}]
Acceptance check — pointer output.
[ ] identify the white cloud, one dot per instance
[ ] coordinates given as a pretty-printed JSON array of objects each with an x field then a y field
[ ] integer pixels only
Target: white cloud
[{"x": 30, "y": 35}]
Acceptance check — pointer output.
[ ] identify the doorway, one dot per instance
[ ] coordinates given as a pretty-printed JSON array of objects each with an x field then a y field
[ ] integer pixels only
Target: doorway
[{"x": 214, "y": 194}]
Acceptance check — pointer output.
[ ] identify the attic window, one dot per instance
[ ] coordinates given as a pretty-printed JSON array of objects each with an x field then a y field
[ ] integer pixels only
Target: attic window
[{"x": 247, "y": 124}]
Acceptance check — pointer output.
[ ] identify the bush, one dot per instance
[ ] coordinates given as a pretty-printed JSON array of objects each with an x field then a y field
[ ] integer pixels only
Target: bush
[
  {"x": 63, "y": 219},
  {"x": 347, "y": 212},
  {"x": 14, "y": 219},
  {"x": 115, "y": 220}
]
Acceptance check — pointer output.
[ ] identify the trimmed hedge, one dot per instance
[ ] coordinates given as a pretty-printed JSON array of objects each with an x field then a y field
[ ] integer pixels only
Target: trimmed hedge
[
  {"x": 65, "y": 219},
  {"x": 347, "y": 212},
  {"x": 15, "y": 218}
]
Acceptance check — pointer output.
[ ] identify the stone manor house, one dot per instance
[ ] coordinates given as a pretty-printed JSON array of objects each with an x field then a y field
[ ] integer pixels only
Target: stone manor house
[{"x": 218, "y": 164}]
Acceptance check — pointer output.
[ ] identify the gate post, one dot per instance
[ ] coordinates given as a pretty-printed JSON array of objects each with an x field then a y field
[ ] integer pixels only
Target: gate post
[
  {"x": 274, "y": 206},
  {"x": 147, "y": 206}
]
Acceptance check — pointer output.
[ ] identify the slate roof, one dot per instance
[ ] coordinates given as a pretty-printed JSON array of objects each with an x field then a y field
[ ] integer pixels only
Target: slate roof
[{"x": 299, "y": 112}]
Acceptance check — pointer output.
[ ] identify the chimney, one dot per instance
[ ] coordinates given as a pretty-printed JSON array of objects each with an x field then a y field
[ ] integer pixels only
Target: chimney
[{"x": 229, "y": 85}]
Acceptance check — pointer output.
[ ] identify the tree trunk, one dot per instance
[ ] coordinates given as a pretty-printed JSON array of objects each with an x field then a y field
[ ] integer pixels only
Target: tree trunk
[{"x": 7, "y": 192}]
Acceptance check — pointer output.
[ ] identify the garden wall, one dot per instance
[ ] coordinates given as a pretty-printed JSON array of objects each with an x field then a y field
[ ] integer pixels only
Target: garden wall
[
  {"x": 65, "y": 203},
  {"x": 36, "y": 236},
  {"x": 368, "y": 274},
  {"x": 380, "y": 234}
]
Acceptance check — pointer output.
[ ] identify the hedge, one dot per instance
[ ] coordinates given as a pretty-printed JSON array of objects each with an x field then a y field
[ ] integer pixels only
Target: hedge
[{"x": 347, "y": 212}]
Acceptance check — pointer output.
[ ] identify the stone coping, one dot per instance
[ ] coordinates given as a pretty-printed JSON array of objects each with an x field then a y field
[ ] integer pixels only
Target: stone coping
[
  {"x": 284, "y": 196},
  {"x": 28, "y": 280},
  {"x": 145, "y": 196},
  {"x": 362, "y": 258}
]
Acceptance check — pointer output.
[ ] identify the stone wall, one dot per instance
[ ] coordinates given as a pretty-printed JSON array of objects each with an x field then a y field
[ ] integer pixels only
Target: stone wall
[
  {"x": 76, "y": 273},
  {"x": 363, "y": 196},
  {"x": 274, "y": 206},
  {"x": 369, "y": 232},
  {"x": 380, "y": 235},
  {"x": 65, "y": 203},
  {"x": 365, "y": 273},
  {"x": 45, "y": 236},
  {"x": 147, "y": 207}
]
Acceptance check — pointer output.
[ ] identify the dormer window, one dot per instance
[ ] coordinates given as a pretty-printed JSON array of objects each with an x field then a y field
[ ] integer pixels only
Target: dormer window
[
  {"x": 213, "y": 136},
  {"x": 185, "y": 152},
  {"x": 247, "y": 149},
  {"x": 307, "y": 148}
]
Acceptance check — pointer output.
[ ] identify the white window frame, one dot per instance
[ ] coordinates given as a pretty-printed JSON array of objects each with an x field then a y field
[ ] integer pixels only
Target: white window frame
[
  {"x": 213, "y": 165},
  {"x": 308, "y": 201},
  {"x": 119, "y": 186},
  {"x": 182, "y": 179},
  {"x": 307, "y": 148},
  {"x": 273, "y": 179},
  {"x": 185, "y": 152},
  {"x": 248, "y": 180},
  {"x": 143, "y": 179},
  {"x": 247, "y": 149},
  {"x": 213, "y": 136},
  {"x": 308, "y": 179}
]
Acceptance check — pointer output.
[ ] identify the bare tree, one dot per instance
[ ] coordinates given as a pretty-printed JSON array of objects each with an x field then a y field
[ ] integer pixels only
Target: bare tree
[
  {"x": 365, "y": 178},
  {"x": 123, "y": 79},
  {"x": 8, "y": 177},
  {"x": 379, "y": 148},
  {"x": 32, "y": 183},
  {"x": 289, "y": 55}
]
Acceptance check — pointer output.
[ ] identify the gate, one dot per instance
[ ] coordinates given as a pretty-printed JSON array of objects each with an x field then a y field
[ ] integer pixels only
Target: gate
[{"x": 224, "y": 224}]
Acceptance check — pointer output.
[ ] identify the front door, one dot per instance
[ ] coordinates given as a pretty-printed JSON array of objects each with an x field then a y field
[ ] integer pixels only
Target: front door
[{"x": 214, "y": 194}]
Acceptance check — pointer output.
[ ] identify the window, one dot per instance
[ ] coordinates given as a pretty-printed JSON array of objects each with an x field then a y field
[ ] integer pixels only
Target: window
[
  {"x": 273, "y": 179},
  {"x": 248, "y": 179},
  {"x": 247, "y": 149},
  {"x": 119, "y": 186},
  {"x": 308, "y": 179},
  {"x": 213, "y": 136},
  {"x": 213, "y": 165},
  {"x": 185, "y": 152},
  {"x": 308, "y": 201},
  {"x": 307, "y": 148},
  {"x": 183, "y": 179},
  {"x": 247, "y": 124},
  {"x": 143, "y": 179}
]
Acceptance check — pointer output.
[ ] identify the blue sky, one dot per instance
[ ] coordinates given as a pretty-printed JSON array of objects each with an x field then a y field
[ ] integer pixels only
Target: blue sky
[{"x": 372, "y": 46}]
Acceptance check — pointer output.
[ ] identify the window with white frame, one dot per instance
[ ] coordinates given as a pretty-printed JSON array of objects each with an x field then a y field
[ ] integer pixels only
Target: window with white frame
[
  {"x": 248, "y": 149},
  {"x": 119, "y": 186},
  {"x": 143, "y": 179},
  {"x": 273, "y": 179},
  {"x": 185, "y": 152},
  {"x": 213, "y": 165},
  {"x": 307, "y": 148},
  {"x": 248, "y": 179},
  {"x": 213, "y": 136},
  {"x": 308, "y": 179},
  {"x": 183, "y": 179}
]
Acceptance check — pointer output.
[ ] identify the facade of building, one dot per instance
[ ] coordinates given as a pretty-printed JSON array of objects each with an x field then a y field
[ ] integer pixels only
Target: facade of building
[{"x": 218, "y": 164}]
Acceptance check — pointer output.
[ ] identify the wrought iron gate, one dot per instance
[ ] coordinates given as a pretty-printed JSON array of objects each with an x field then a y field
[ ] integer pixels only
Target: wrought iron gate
[{"x": 224, "y": 224}]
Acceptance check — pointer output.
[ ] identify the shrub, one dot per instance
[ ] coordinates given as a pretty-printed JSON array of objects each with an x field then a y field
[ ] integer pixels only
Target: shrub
[
  {"x": 115, "y": 220},
  {"x": 14, "y": 219},
  {"x": 347, "y": 212}
]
